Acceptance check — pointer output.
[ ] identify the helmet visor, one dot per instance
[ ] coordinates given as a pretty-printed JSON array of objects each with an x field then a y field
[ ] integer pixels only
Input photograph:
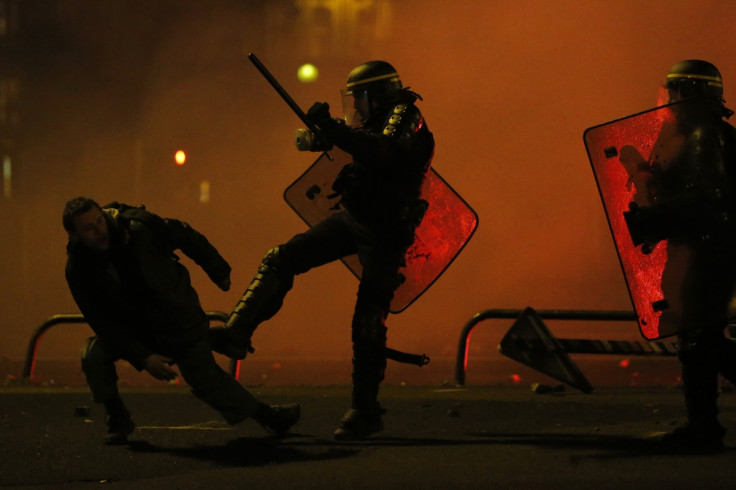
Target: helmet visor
[
  {"x": 356, "y": 106},
  {"x": 686, "y": 85},
  {"x": 684, "y": 88}
]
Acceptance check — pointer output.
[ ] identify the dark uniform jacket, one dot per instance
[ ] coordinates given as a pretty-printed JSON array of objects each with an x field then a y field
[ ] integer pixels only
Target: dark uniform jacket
[
  {"x": 137, "y": 296},
  {"x": 392, "y": 153}
]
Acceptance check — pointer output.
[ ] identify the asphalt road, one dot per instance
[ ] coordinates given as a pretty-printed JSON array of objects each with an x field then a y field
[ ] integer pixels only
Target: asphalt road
[{"x": 475, "y": 437}]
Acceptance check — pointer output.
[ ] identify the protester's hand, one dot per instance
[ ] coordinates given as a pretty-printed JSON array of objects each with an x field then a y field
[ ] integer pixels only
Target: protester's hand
[{"x": 159, "y": 367}]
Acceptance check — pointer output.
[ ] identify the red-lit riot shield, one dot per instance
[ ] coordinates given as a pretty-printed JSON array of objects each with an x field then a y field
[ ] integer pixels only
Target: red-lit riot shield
[
  {"x": 448, "y": 224},
  {"x": 662, "y": 179}
]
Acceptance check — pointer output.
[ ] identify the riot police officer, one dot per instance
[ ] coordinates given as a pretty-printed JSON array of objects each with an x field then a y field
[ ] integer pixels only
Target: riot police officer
[
  {"x": 704, "y": 350},
  {"x": 392, "y": 147}
]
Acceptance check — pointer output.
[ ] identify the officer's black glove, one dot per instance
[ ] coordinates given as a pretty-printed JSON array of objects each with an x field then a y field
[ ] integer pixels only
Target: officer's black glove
[{"x": 319, "y": 114}]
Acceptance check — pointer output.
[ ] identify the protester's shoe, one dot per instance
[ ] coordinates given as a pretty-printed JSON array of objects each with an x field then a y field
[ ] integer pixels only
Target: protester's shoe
[
  {"x": 224, "y": 342},
  {"x": 278, "y": 419},
  {"x": 358, "y": 424},
  {"x": 692, "y": 440},
  {"x": 119, "y": 427}
]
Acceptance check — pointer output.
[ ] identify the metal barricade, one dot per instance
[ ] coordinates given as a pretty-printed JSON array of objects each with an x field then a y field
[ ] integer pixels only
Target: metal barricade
[
  {"x": 30, "y": 361},
  {"x": 588, "y": 315}
]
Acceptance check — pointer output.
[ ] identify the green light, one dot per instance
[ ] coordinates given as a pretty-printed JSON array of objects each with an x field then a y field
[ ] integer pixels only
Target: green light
[{"x": 307, "y": 73}]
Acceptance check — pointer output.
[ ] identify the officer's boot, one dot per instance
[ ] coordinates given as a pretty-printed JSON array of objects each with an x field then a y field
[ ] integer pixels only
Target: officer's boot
[
  {"x": 363, "y": 418},
  {"x": 703, "y": 433},
  {"x": 365, "y": 415},
  {"x": 260, "y": 301}
]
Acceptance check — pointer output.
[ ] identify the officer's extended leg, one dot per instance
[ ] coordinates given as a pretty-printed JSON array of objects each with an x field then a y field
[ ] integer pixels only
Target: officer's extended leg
[
  {"x": 329, "y": 240},
  {"x": 260, "y": 301},
  {"x": 98, "y": 365}
]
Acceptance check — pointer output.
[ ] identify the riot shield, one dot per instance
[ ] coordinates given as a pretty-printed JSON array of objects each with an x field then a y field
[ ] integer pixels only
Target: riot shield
[
  {"x": 448, "y": 224},
  {"x": 662, "y": 178}
]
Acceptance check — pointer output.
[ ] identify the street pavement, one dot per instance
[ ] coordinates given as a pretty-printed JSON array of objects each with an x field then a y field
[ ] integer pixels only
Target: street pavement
[{"x": 490, "y": 437}]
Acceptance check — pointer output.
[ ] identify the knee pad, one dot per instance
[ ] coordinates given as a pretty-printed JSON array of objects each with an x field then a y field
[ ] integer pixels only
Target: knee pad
[
  {"x": 696, "y": 348},
  {"x": 265, "y": 293},
  {"x": 688, "y": 351},
  {"x": 273, "y": 261},
  {"x": 273, "y": 273}
]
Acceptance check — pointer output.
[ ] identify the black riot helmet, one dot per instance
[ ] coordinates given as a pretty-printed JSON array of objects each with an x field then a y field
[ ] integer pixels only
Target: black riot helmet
[
  {"x": 377, "y": 77},
  {"x": 697, "y": 78},
  {"x": 369, "y": 86},
  {"x": 693, "y": 78}
]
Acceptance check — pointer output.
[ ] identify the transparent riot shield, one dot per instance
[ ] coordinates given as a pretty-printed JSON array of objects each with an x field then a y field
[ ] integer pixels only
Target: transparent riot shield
[
  {"x": 448, "y": 224},
  {"x": 662, "y": 178}
]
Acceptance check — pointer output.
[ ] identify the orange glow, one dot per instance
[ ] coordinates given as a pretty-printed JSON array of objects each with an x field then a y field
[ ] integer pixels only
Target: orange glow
[
  {"x": 509, "y": 91},
  {"x": 180, "y": 157}
]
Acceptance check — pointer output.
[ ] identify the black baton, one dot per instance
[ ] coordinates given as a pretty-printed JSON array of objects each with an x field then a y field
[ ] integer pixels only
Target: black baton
[{"x": 285, "y": 95}]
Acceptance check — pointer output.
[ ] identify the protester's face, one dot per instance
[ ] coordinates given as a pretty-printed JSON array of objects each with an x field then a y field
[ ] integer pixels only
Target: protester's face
[{"x": 90, "y": 229}]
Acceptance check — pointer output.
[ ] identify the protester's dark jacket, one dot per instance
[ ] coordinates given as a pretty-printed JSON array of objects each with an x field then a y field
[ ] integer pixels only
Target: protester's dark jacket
[{"x": 137, "y": 296}]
